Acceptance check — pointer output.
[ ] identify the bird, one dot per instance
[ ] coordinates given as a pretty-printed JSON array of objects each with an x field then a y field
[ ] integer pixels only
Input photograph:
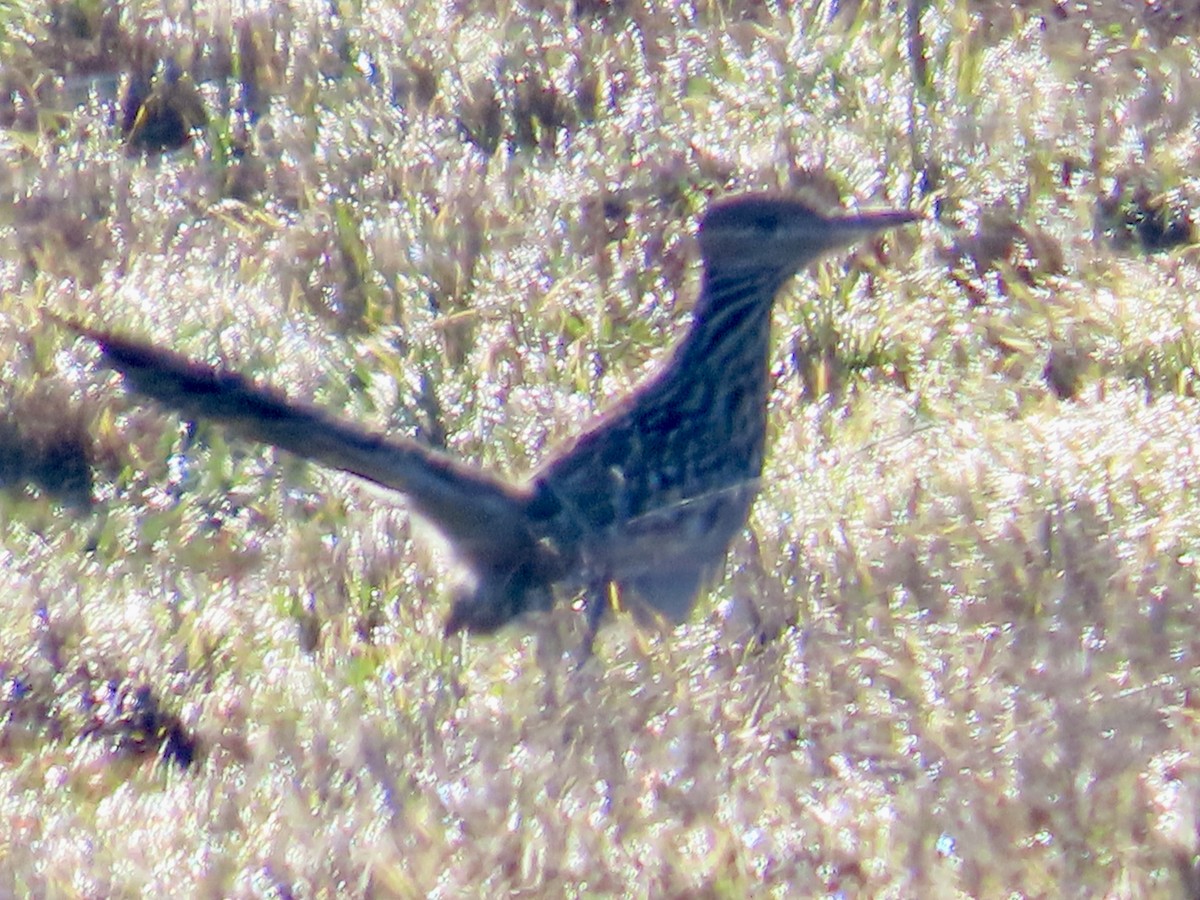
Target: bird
[{"x": 641, "y": 507}]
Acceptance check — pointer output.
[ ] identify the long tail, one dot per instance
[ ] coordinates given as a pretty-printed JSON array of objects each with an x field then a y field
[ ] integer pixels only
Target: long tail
[{"x": 484, "y": 517}]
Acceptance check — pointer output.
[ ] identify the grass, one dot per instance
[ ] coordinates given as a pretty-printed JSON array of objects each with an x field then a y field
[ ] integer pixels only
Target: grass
[{"x": 953, "y": 652}]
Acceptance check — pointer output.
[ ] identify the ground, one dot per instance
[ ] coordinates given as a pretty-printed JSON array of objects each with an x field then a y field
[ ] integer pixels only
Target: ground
[{"x": 953, "y": 653}]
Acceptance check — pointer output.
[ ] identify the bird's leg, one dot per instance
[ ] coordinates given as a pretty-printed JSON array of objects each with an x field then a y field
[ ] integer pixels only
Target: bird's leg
[{"x": 598, "y": 596}]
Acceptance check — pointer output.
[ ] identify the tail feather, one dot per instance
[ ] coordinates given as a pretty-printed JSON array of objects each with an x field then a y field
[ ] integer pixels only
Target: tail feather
[{"x": 484, "y": 517}]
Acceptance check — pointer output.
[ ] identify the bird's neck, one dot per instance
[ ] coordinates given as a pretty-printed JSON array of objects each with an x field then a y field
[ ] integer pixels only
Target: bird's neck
[{"x": 731, "y": 322}]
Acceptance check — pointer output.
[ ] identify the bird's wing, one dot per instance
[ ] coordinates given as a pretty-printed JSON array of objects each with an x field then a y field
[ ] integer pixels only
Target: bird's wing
[{"x": 483, "y": 517}]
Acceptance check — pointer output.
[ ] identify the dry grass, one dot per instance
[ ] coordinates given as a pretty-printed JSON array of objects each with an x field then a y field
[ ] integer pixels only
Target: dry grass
[{"x": 954, "y": 653}]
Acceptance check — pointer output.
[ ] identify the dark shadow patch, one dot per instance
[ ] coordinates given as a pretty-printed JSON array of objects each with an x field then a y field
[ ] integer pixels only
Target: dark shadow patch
[
  {"x": 1135, "y": 217},
  {"x": 44, "y": 444},
  {"x": 122, "y": 712},
  {"x": 1001, "y": 249},
  {"x": 127, "y": 716},
  {"x": 160, "y": 108}
]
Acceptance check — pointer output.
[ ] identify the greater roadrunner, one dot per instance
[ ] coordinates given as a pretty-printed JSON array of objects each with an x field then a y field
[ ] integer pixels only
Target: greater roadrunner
[{"x": 645, "y": 501}]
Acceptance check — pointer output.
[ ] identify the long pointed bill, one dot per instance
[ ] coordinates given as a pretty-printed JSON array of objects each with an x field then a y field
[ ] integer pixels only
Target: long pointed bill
[{"x": 843, "y": 230}]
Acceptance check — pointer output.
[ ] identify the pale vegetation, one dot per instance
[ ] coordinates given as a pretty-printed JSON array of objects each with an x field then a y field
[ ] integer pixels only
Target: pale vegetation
[{"x": 954, "y": 653}]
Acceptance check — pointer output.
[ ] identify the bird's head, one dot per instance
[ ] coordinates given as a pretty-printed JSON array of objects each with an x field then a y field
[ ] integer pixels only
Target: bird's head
[{"x": 767, "y": 232}]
